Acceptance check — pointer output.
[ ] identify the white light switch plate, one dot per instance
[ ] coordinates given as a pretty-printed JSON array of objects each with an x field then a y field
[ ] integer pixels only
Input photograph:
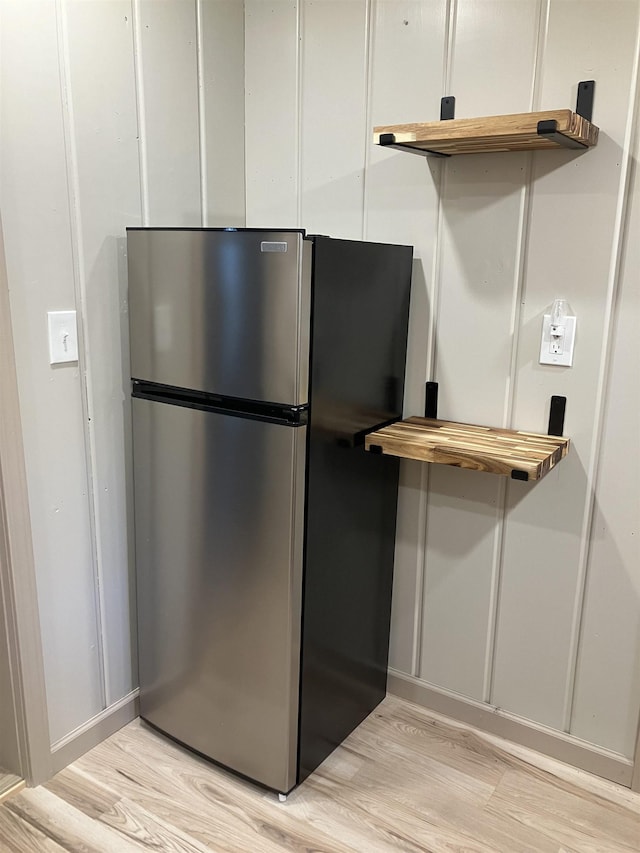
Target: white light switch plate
[
  {"x": 63, "y": 337},
  {"x": 564, "y": 358}
]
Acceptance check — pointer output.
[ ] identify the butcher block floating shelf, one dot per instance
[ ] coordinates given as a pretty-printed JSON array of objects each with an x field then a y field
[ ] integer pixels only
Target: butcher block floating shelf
[
  {"x": 517, "y": 132},
  {"x": 511, "y": 453},
  {"x": 520, "y": 132}
]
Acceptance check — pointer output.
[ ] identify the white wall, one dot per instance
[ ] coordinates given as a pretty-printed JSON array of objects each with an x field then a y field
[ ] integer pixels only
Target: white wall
[
  {"x": 123, "y": 112},
  {"x": 520, "y": 596},
  {"x": 114, "y": 113}
]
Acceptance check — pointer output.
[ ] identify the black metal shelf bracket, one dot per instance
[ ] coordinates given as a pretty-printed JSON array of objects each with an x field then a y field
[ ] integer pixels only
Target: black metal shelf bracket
[
  {"x": 447, "y": 112},
  {"x": 389, "y": 139},
  {"x": 431, "y": 400},
  {"x": 447, "y": 108},
  {"x": 584, "y": 101},
  {"x": 556, "y": 415},
  {"x": 584, "y": 108},
  {"x": 516, "y": 474},
  {"x": 549, "y": 129}
]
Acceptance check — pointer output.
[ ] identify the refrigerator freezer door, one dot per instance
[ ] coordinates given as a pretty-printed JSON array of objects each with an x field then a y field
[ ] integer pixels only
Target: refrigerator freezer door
[
  {"x": 219, "y": 504},
  {"x": 225, "y": 312}
]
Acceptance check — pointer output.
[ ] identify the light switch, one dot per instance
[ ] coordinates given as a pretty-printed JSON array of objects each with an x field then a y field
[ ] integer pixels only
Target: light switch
[{"x": 63, "y": 337}]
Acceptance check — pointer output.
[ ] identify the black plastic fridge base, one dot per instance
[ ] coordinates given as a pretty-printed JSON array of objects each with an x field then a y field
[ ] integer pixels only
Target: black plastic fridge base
[{"x": 233, "y": 406}]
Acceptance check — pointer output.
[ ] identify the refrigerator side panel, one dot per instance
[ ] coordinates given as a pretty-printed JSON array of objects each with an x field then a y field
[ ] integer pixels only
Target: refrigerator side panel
[
  {"x": 224, "y": 312},
  {"x": 360, "y": 304},
  {"x": 219, "y": 505}
]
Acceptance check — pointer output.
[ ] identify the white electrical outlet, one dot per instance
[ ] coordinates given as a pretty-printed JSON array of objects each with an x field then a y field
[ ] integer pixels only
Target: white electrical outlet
[
  {"x": 63, "y": 337},
  {"x": 558, "y": 340}
]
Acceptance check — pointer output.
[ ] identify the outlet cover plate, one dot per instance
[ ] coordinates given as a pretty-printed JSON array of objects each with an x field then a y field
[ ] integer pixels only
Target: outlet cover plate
[{"x": 567, "y": 342}]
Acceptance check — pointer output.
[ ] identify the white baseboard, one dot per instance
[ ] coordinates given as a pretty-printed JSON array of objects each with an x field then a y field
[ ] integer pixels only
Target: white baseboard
[
  {"x": 94, "y": 731},
  {"x": 563, "y": 747},
  {"x": 558, "y": 745}
]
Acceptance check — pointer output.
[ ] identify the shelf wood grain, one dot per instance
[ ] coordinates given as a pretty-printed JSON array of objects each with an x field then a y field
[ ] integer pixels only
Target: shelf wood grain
[
  {"x": 517, "y": 132},
  {"x": 522, "y": 455}
]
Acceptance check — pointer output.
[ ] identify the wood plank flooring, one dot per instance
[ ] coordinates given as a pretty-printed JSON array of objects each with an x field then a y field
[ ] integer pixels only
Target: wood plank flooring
[
  {"x": 9, "y": 784},
  {"x": 406, "y": 780}
]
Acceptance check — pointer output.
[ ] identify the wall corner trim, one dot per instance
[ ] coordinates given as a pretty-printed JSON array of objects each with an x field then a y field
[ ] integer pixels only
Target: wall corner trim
[{"x": 18, "y": 594}]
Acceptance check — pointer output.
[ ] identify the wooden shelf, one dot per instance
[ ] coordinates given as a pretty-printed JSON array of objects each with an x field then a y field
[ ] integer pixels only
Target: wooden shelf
[
  {"x": 520, "y": 455},
  {"x": 519, "y": 132}
]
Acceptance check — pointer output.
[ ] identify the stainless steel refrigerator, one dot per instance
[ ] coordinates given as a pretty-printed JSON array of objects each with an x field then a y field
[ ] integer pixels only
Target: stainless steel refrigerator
[{"x": 264, "y": 532}]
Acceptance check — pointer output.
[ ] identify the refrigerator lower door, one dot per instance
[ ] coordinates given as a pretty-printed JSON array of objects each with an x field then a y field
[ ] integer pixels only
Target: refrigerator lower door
[{"x": 219, "y": 504}]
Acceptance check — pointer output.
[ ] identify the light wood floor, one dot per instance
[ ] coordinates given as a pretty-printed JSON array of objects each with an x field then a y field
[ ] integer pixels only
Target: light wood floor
[
  {"x": 406, "y": 780},
  {"x": 9, "y": 784}
]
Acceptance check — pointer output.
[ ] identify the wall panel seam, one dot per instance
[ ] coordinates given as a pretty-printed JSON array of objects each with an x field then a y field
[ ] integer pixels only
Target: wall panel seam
[
  {"x": 451, "y": 19},
  {"x": 84, "y": 358},
  {"x": 544, "y": 13},
  {"x": 246, "y": 112},
  {"x": 497, "y": 562},
  {"x": 522, "y": 254},
  {"x": 202, "y": 130},
  {"x": 522, "y": 250},
  {"x": 618, "y": 245},
  {"x": 524, "y": 217},
  {"x": 140, "y": 110},
  {"x": 369, "y": 36},
  {"x": 436, "y": 272},
  {"x": 244, "y": 124},
  {"x": 451, "y": 12},
  {"x": 418, "y": 614},
  {"x": 299, "y": 164}
]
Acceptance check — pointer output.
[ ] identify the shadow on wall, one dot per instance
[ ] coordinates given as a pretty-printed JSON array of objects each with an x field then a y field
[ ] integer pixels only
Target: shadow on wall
[
  {"x": 476, "y": 493},
  {"x": 473, "y": 181},
  {"x": 417, "y": 342}
]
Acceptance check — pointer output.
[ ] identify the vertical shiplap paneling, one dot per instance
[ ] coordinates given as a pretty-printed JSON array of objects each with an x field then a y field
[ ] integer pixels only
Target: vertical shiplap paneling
[
  {"x": 401, "y": 206},
  {"x": 272, "y": 113},
  {"x": 100, "y": 59},
  {"x": 571, "y": 245},
  {"x": 401, "y": 197},
  {"x": 607, "y": 694},
  {"x": 40, "y": 268},
  {"x": 333, "y": 104},
  {"x": 166, "y": 37},
  {"x": 482, "y": 206},
  {"x": 221, "y": 81}
]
